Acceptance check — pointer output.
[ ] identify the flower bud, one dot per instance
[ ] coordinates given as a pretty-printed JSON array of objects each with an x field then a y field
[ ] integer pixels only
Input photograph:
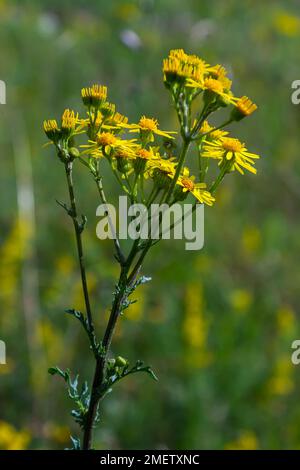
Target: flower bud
[
  {"x": 107, "y": 110},
  {"x": 121, "y": 362},
  {"x": 94, "y": 96},
  {"x": 161, "y": 179},
  {"x": 123, "y": 164},
  {"x": 51, "y": 130},
  {"x": 243, "y": 108},
  {"x": 139, "y": 165},
  {"x": 74, "y": 152}
]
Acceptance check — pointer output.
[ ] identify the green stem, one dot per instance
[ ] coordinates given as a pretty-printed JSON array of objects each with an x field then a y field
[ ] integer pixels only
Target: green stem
[
  {"x": 226, "y": 123},
  {"x": 220, "y": 177},
  {"x": 153, "y": 196},
  {"x": 138, "y": 265},
  {"x": 78, "y": 229},
  {"x": 119, "y": 253},
  {"x": 141, "y": 180},
  {"x": 134, "y": 186},
  {"x": 185, "y": 146}
]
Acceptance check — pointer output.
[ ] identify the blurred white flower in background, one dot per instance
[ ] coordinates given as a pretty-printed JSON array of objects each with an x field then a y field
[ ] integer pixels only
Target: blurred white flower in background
[
  {"x": 130, "y": 39},
  {"x": 48, "y": 24},
  {"x": 201, "y": 30}
]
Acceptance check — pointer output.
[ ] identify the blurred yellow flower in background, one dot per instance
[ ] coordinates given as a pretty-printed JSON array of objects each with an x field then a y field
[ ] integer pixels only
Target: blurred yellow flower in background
[
  {"x": 246, "y": 441},
  {"x": 11, "y": 439},
  {"x": 281, "y": 382},
  {"x": 7, "y": 368},
  {"x": 286, "y": 23},
  {"x": 251, "y": 240},
  {"x": 51, "y": 338},
  {"x": 58, "y": 433},
  {"x": 286, "y": 320},
  {"x": 241, "y": 300},
  {"x": 65, "y": 264},
  {"x": 195, "y": 327},
  {"x": 136, "y": 310},
  {"x": 12, "y": 252},
  {"x": 127, "y": 11}
]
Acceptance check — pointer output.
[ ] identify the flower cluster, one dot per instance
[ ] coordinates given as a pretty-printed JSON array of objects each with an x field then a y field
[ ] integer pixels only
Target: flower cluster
[{"x": 134, "y": 151}]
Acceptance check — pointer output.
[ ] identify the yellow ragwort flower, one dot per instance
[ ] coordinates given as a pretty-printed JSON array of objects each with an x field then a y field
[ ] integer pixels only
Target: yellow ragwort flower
[
  {"x": 191, "y": 60},
  {"x": 106, "y": 138},
  {"x": 161, "y": 170},
  {"x": 150, "y": 125},
  {"x": 94, "y": 95},
  {"x": 69, "y": 120},
  {"x": 119, "y": 118},
  {"x": 51, "y": 129},
  {"x": 108, "y": 110},
  {"x": 109, "y": 139},
  {"x": 243, "y": 108},
  {"x": 70, "y": 125},
  {"x": 106, "y": 118},
  {"x": 198, "y": 190},
  {"x": 142, "y": 157},
  {"x": 167, "y": 166},
  {"x": 178, "y": 54},
  {"x": 172, "y": 65},
  {"x": 182, "y": 65},
  {"x": 149, "y": 154},
  {"x": 107, "y": 142},
  {"x": 231, "y": 150},
  {"x": 219, "y": 87},
  {"x": 210, "y": 132},
  {"x": 218, "y": 71}
]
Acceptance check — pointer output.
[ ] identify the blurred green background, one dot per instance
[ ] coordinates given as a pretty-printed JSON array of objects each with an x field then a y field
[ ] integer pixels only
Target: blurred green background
[{"x": 216, "y": 325}]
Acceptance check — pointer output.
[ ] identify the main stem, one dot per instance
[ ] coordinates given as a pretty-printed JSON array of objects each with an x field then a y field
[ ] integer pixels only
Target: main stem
[
  {"x": 99, "y": 375},
  {"x": 77, "y": 227}
]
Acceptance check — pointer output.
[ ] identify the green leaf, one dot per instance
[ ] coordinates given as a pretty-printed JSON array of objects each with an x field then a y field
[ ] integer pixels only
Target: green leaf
[
  {"x": 56, "y": 371},
  {"x": 80, "y": 396},
  {"x": 152, "y": 374},
  {"x": 96, "y": 347},
  {"x": 118, "y": 370},
  {"x": 76, "y": 443}
]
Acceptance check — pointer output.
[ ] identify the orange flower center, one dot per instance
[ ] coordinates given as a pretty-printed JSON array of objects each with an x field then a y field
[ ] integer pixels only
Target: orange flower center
[
  {"x": 143, "y": 153},
  {"x": 213, "y": 85},
  {"x": 106, "y": 138},
  {"x": 148, "y": 124},
  {"x": 188, "y": 184},
  {"x": 232, "y": 145}
]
